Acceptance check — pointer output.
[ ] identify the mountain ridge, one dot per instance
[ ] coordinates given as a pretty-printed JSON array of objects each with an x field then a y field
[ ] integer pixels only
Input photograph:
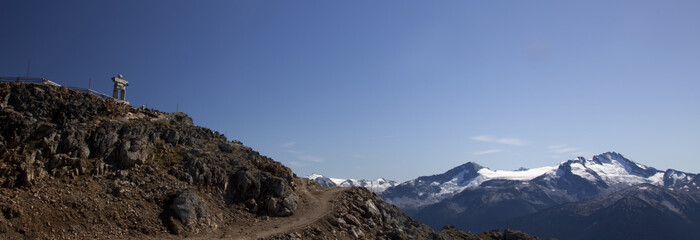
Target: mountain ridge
[
  {"x": 603, "y": 173},
  {"x": 376, "y": 186},
  {"x": 478, "y": 199}
]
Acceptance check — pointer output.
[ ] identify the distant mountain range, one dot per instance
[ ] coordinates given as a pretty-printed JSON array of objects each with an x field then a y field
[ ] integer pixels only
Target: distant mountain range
[
  {"x": 571, "y": 200},
  {"x": 376, "y": 186},
  {"x": 643, "y": 211}
]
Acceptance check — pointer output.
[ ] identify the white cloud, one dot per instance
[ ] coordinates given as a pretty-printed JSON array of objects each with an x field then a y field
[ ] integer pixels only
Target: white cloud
[
  {"x": 299, "y": 155},
  {"x": 561, "y": 148},
  {"x": 571, "y": 151},
  {"x": 289, "y": 144},
  {"x": 564, "y": 150},
  {"x": 297, "y": 164},
  {"x": 557, "y": 146},
  {"x": 310, "y": 158},
  {"x": 488, "y": 151},
  {"x": 492, "y": 139}
]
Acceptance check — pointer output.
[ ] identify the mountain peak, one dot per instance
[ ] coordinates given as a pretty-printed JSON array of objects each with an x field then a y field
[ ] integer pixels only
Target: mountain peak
[
  {"x": 469, "y": 167},
  {"x": 608, "y": 157},
  {"x": 630, "y": 166}
]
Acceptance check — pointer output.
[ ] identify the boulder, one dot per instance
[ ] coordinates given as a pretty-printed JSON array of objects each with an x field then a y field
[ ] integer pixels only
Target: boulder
[
  {"x": 271, "y": 205},
  {"x": 181, "y": 118},
  {"x": 171, "y": 136},
  {"x": 370, "y": 209},
  {"x": 243, "y": 185},
  {"x": 188, "y": 207},
  {"x": 132, "y": 152},
  {"x": 226, "y": 147},
  {"x": 104, "y": 139},
  {"x": 289, "y": 204}
]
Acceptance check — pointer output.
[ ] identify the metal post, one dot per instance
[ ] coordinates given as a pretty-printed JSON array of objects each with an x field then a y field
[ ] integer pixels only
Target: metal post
[{"x": 29, "y": 65}]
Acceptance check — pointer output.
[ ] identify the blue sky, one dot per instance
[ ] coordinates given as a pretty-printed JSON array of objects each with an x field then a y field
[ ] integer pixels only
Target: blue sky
[{"x": 395, "y": 89}]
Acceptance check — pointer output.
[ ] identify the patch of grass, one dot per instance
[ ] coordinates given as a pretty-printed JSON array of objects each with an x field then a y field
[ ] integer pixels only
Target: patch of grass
[{"x": 170, "y": 157}]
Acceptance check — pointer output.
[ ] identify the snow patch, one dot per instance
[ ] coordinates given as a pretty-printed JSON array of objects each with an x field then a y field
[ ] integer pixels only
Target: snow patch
[{"x": 522, "y": 175}]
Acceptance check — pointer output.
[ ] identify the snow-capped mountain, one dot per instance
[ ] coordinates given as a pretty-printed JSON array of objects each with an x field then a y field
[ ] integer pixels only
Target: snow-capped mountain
[
  {"x": 476, "y": 198},
  {"x": 376, "y": 186},
  {"x": 575, "y": 180}
]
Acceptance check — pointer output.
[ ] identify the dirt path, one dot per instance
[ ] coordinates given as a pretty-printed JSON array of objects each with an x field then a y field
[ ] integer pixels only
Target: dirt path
[{"x": 314, "y": 204}]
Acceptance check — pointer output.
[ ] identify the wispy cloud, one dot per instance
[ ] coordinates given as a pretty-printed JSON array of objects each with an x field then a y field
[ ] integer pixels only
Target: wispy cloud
[
  {"x": 297, "y": 164},
  {"x": 561, "y": 148},
  {"x": 557, "y": 146},
  {"x": 571, "y": 151},
  {"x": 310, "y": 158},
  {"x": 564, "y": 150},
  {"x": 289, "y": 144},
  {"x": 303, "y": 157},
  {"x": 492, "y": 139},
  {"x": 488, "y": 151}
]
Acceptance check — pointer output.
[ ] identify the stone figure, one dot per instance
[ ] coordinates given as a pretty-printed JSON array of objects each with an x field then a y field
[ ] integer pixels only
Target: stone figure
[{"x": 119, "y": 87}]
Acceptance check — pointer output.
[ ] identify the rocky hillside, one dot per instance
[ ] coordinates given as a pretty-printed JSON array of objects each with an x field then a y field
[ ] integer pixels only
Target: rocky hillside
[{"x": 73, "y": 166}]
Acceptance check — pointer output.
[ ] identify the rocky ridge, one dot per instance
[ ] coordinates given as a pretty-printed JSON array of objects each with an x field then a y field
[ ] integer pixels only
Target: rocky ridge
[{"x": 57, "y": 144}]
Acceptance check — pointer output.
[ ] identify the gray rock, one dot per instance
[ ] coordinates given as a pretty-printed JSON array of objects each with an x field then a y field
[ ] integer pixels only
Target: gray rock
[
  {"x": 252, "y": 205},
  {"x": 370, "y": 209},
  {"x": 271, "y": 205},
  {"x": 171, "y": 136},
  {"x": 338, "y": 222},
  {"x": 226, "y": 147},
  {"x": 104, "y": 139},
  {"x": 181, "y": 118},
  {"x": 280, "y": 188},
  {"x": 357, "y": 233},
  {"x": 289, "y": 204},
  {"x": 83, "y": 151},
  {"x": 132, "y": 152},
  {"x": 352, "y": 220},
  {"x": 244, "y": 185},
  {"x": 188, "y": 207}
]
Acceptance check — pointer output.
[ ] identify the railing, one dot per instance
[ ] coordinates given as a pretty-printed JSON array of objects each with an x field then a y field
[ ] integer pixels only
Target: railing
[
  {"x": 28, "y": 80},
  {"x": 48, "y": 82},
  {"x": 93, "y": 92}
]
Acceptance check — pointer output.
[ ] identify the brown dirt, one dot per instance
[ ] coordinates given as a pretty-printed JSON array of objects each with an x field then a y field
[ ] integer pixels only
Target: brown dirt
[{"x": 315, "y": 203}]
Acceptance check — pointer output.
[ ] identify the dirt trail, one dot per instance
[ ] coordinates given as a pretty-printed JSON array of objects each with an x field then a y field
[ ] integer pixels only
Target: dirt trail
[{"x": 314, "y": 204}]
